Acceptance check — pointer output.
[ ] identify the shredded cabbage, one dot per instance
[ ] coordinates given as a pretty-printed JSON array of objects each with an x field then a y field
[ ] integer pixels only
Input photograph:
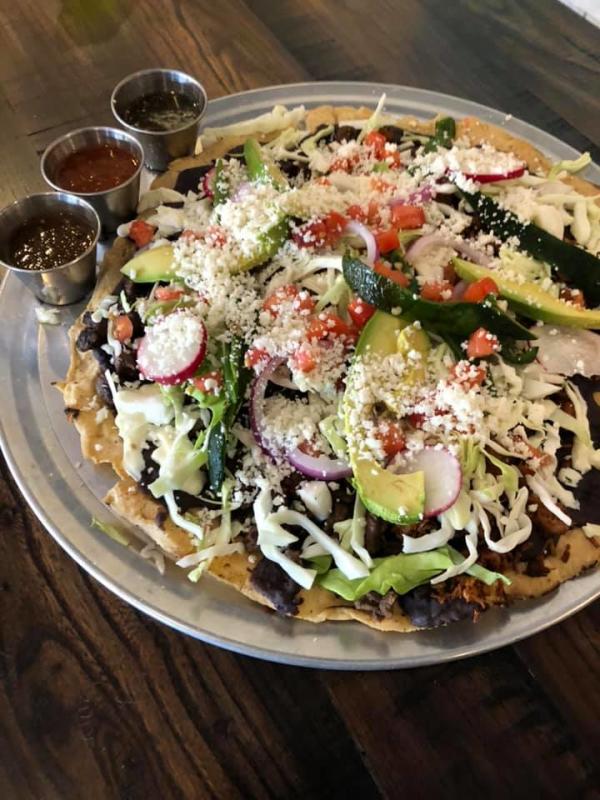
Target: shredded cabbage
[
  {"x": 275, "y": 120},
  {"x": 568, "y": 165},
  {"x": 374, "y": 120},
  {"x": 352, "y": 532}
]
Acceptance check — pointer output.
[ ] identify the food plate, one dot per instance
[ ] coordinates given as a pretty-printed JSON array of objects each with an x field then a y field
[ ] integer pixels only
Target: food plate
[{"x": 43, "y": 452}]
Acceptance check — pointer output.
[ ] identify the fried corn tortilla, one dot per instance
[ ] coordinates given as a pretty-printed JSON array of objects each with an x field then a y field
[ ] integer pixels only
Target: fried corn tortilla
[{"x": 574, "y": 552}]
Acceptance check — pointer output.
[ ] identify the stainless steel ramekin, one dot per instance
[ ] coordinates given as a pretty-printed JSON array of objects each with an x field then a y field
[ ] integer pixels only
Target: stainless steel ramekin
[
  {"x": 160, "y": 147},
  {"x": 68, "y": 282},
  {"x": 114, "y": 206}
]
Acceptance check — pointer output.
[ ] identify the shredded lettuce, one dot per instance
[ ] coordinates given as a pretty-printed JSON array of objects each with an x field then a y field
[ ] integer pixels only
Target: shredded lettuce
[
  {"x": 336, "y": 293},
  {"x": 402, "y": 573},
  {"x": 110, "y": 530}
]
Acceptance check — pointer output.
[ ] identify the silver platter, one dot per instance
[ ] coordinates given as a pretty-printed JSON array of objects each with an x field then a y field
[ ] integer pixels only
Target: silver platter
[{"x": 42, "y": 450}]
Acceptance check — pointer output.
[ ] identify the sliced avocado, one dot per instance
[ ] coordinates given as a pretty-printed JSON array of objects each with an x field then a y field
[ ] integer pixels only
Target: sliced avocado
[
  {"x": 395, "y": 498},
  {"x": 157, "y": 264},
  {"x": 529, "y": 299},
  {"x": 269, "y": 243}
]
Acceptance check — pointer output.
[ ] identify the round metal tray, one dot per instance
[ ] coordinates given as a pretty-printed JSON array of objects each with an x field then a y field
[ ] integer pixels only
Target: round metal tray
[{"x": 42, "y": 450}]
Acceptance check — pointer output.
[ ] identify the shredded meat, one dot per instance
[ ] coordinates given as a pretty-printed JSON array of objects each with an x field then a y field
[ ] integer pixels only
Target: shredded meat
[{"x": 380, "y": 607}]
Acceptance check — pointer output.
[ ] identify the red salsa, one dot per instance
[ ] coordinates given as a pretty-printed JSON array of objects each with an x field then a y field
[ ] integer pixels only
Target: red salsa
[
  {"x": 48, "y": 241},
  {"x": 96, "y": 168}
]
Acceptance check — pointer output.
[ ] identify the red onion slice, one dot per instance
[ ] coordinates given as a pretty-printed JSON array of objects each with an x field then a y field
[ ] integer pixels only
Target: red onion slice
[
  {"x": 422, "y": 195},
  {"x": 365, "y": 234},
  {"x": 424, "y": 243},
  {"x": 443, "y": 476},
  {"x": 321, "y": 468},
  {"x": 242, "y": 191},
  {"x": 257, "y": 397}
]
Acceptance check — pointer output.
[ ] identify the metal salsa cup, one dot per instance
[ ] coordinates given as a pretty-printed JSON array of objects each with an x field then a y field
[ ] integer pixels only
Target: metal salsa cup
[
  {"x": 160, "y": 147},
  {"x": 115, "y": 205},
  {"x": 66, "y": 283}
]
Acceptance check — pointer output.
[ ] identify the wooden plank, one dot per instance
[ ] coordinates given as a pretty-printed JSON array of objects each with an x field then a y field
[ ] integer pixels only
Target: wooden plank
[{"x": 473, "y": 728}]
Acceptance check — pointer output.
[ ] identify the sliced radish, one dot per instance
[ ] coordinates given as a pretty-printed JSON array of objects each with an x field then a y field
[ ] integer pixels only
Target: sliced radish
[
  {"x": 443, "y": 476},
  {"x": 492, "y": 177},
  {"x": 173, "y": 348}
]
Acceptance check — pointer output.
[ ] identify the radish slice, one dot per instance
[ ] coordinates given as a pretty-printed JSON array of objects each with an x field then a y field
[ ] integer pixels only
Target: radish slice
[
  {"x": 365, "y": 234},
  {"x": 208, "y": 182},
  {"x": 568, "y": 351},
  {"x": 443, "y": 476},
  {"x": 493, "y": 177},
  {"x": 172, "y": 349},
  {"x": 439, "y": 240},
  {"x": 321, "y": 468}
]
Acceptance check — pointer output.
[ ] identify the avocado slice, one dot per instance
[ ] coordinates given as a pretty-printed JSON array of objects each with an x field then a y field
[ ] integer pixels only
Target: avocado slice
[
  {"x": 395, "y": 498},
  {"x": 157, "y": 264},
  {"x": 529, "y": 299}
]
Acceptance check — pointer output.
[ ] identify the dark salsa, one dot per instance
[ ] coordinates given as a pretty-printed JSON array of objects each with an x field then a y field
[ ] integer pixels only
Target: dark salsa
[
  {"x": 161, "y": 111},
  {"x": 96, "y": 168},
  {"x": 48, "y": 241}
]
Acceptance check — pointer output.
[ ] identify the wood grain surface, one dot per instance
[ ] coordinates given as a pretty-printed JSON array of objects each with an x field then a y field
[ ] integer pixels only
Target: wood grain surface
[{"x": 98, "y": 701}]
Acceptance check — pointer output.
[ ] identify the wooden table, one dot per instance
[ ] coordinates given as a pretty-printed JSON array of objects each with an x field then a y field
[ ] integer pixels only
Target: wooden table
[{"x": 97, "y": 700}]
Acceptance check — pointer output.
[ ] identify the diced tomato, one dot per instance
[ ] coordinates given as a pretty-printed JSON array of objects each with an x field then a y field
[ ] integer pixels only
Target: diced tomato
[
  {"x": 215, "y": 236},
  {"x": 407, "y": 217},
  {"x": 256, "y": 356},
  {"x": 377, "y": 142},
  {"x": 380, "y": 185},
  {"x": 327, "y": 325},
  {"x": 360, "y": 312},
  {"x": 387, "y": 240},
  {"x": 357, "y": 213},
  {"x": 122, "y": 328},
  {"x": 304, "y": 360},
  {"x": 322, "y": 232},
  {"x": 468, "y": 374},
  {"x": 373, "y": 213},
  {"x": 209, "y": 383},
  {"x": 164, "y": 293},
  {"x": 482, "y": 343},
  {"x": 574, "y": 296},
  {"x": 436, "y": 291},
  {"x": 478, "y": 291},
  {"x": 392, "y": 438},
  {"x": 416, "y": 420},
  {"x": 302, "y": 301},
  {"x": 346, "y": 164},
  {"x": 335, "y": 224},
  {"x": 381, "y": 268},
  {"x": 393, "y": 159},
  {"x": 141, "y": 232},
  {"x": 188, "y": 236},
  {"x": 322, "y": 181}
]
